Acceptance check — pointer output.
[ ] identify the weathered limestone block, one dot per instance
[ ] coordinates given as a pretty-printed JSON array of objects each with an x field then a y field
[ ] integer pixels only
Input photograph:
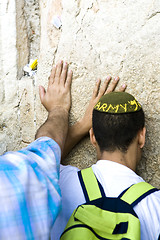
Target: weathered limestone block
[
  {"x": 9, "y": 129},
  {"x": 26, "y": 110},
  {"x": 99, "y": 38},
  {"x": 8, "y": 50},
  {"x": 13, "y": 56},
  {"x": 50, "y": 37}
]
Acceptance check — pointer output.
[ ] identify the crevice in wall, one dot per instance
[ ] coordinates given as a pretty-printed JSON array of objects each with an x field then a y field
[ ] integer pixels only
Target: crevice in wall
[
  {"x": 28, "y": 45},
  {"x": 153, "y": 15},
  {"x": 21, "y": 38},
  {"x": 32, "y": 19},
  {"x": 28, "y": 32}
]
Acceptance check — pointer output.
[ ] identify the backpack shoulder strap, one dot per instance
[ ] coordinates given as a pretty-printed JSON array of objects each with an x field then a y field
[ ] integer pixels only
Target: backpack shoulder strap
[
  {"x": 89, "y": 184},
  {"x": 137, "y": 192}
]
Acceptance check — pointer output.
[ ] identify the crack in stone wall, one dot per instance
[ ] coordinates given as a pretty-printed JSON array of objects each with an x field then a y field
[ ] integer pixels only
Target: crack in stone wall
[
  {"x": 32, "y": 18},
  {"x": 27, "y": 85}
]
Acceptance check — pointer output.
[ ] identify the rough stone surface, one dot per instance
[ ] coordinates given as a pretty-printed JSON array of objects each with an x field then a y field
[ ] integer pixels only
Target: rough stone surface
[
  {"x": 97, "y": 38},
  {"x": 9, "y": 127},
  {"x": 17, "y": 94}
]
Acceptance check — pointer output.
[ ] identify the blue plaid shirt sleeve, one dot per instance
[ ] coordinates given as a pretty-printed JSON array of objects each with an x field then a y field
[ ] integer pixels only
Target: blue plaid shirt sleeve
[{"x": 30, "y": 197}]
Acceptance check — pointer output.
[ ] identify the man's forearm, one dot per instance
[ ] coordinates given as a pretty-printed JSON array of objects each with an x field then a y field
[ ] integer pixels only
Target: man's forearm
[
  {"x": 74, "y": 136},
  {"x": 55, "y": 127}
]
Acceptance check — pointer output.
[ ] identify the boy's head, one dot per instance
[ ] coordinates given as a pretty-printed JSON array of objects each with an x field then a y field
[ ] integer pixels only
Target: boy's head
[{"x": 117, "y": 119}]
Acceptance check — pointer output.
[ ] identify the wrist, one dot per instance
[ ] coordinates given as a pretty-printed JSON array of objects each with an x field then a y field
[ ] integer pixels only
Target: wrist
[
  {"x": 58, "y": 110},
  {"x": 83, "y": 127},
  {"x": 86, "y": 123}
]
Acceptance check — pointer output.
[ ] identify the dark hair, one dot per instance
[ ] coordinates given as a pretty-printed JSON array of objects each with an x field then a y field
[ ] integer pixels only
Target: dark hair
[{"x": 116, "y": 131}]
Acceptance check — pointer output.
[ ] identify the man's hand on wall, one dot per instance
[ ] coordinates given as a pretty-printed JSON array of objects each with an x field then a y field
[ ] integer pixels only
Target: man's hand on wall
[
  {"x": 58, "y": 93},
  {"x": 57, "y": 101}
]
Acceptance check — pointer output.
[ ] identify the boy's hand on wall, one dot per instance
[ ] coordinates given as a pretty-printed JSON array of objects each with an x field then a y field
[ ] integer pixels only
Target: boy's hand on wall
[
  {"x": 108, "y": 86},
  {"x": 81, "y": 128},
  {"x": 58, "y": 93}
]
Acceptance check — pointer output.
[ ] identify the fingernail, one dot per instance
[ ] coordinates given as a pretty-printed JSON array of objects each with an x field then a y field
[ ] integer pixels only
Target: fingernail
[
  {"x": 108, "y": 77},
  {"x": 124, "y": 85},
  {"x": 116, "y": 78}
]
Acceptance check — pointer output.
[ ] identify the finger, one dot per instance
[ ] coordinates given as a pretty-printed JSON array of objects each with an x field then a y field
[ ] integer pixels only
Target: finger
[
  {"x": 42, "y": 93},
  {"x": 96, "y": 88},
  {"x": 113, "y": 85},
  {"x": 122, "y": 88},
  {"x": 58, "y": 71},
  {"x": 69, "y": 79},
  {"x": 64, "y": 72},
  {"x": 104, "y": 86},
  {"x": 52, "y": 76}
]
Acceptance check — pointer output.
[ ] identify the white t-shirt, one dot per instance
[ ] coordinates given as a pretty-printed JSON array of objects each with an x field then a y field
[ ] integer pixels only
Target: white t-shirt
[{"x": 114, "y": 178}]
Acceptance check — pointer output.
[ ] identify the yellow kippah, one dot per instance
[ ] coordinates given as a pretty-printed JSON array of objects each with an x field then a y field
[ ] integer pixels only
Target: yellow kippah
[{"x": 117, "y": 102}]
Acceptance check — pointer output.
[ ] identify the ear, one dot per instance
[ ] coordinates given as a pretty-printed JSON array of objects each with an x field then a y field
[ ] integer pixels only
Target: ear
[
  {"x": 142, "y": 137},
  {"x": 92, "y": 137}
]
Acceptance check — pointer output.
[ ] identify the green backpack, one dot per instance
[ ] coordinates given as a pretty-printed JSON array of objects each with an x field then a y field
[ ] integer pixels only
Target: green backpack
[{"x": 103, "y": 217}]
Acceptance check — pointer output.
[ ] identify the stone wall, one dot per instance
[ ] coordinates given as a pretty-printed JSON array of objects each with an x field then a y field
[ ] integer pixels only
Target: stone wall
[
  {"x": 19, "y": 41},
  {"x": 97, "y": 38}
]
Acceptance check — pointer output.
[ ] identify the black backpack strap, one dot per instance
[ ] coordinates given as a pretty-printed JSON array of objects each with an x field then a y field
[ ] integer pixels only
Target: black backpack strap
[
  {"x": 135, "y": 193},
  {"x": 91, "y": 187}
]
